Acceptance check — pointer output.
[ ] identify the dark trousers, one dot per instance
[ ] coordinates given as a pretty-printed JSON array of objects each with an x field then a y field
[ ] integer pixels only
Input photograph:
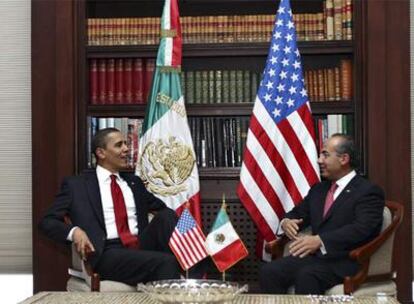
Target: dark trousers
[
  {"x": 152, "y": 261},
  {"x": 309, "y": 275}
]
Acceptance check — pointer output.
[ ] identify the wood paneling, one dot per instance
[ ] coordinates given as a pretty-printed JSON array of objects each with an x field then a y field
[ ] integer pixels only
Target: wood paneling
[
  {"x": 388, "y": 118},
  {"x": 53, "y": 128}
]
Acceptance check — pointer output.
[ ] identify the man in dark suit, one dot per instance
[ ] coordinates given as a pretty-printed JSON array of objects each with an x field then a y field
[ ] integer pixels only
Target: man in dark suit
[
  {"x": 109, "y": 217},
  {"x": 343, "y": 212}
]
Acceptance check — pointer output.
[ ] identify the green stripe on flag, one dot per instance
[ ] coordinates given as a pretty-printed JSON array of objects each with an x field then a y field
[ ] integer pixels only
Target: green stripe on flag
[
  {"x": 166, "y": 91},
  {"x": 221, "y": 219}
]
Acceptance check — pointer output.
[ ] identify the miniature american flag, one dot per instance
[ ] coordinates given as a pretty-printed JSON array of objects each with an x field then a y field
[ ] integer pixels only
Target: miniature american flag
[{"x": 188, "y": 241}]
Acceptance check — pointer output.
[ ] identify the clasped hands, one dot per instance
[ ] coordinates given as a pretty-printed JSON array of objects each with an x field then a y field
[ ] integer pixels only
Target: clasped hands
[
  {"x": 82, "y": 243},
  {"x": 301, "y": 245}
]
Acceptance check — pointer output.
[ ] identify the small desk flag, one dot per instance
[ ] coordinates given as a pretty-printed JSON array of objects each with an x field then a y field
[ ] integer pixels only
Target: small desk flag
[
  {"x": 223, "y": 243},
  {"x": 188, "y": 241}
]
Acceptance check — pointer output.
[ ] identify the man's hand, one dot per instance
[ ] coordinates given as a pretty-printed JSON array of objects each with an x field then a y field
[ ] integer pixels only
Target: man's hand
[
  {"x": 303, "y": 246},
  {"x": 291, "y": 227},
  {"x": 82, "y": 243}
]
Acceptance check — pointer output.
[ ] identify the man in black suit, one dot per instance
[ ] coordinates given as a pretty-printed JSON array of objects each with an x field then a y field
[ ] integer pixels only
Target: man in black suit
[
  {"x": 343, "y": 212},
  {"x": 125, "y": 247}
]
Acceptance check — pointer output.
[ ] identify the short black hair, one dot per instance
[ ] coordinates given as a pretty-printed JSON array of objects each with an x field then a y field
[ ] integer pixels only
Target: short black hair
[
  {"x": 100, "y": 139},
  {"x": 347, "y": 146}
]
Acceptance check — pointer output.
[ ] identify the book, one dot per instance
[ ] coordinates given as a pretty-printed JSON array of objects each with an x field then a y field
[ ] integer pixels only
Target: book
[
  {"x": 119, "y": 82},
  {"x": 218, "y": 92},
  {"x": 189, "y": 88},
  {"x": 148, "y": 74},
  {"x": 110, "y": 81},
  {"x": 346, "y": 79},
  {"x": 127, "y": 77},
  {"x": 137, "y": 81},
  {"x": 102, "y": 81},
  {"x": 93, "y": 81}
]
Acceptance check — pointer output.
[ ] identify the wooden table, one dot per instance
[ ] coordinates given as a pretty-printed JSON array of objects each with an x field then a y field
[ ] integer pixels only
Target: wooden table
[{"x": 140, "y": 298}]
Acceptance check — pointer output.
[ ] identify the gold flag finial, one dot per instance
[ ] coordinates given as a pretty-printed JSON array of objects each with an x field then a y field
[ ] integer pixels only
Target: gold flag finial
[{"x": 223, "y": 204}]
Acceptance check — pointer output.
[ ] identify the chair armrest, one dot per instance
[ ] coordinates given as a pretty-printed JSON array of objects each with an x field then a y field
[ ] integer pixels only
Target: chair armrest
[{"x": 363, "y": 254}]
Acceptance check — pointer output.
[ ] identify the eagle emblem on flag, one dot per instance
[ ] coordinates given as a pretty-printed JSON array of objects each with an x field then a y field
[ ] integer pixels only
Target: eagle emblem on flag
[{"x": 166, "y": 165}]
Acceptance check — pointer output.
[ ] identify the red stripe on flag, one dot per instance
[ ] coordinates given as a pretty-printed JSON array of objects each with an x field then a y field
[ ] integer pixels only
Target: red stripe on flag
[
  {"x": 266, "y": 189},
  {"x": 177, "y": 41},
  {"x": 255, "y": 213},
  {"x": 194, "y": 208},
  {"x": 299, "y": 154},
  {"x": 306, "y": 115},
  {"x": 177, "y": 248},
  {"x": 276, "y": 159},
  {"x": 230, "y": 255},
  {"x": 192, "y": 250},
  {"x": 198, "y": 243}
]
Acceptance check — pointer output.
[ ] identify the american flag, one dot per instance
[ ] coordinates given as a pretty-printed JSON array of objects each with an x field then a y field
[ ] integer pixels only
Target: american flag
[
  {"x": 280, "y": 159},
  {"x": 188, "y": 241}
]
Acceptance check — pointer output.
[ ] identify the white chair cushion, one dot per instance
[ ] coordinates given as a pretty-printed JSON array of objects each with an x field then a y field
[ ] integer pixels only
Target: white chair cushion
[
  {"x": 77, "y": 284},
  {"x": 113, "y": 286},
  {"x": 386, "y": 288}
]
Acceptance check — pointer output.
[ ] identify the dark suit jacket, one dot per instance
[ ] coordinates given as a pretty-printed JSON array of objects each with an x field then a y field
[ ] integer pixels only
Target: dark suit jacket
[
  {"x": 354, "y": 219},
  {"x": 80, "y": 198}
]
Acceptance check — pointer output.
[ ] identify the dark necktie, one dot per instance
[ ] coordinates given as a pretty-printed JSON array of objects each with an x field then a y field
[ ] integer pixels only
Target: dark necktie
[
  {"x": 329, "y": 199},
  {"x": 121, "y": 218}
]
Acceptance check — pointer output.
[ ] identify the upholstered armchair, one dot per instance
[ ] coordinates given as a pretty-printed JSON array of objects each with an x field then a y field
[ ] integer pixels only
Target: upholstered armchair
[
  {"x": 83, "y": 278},
  {"x": 376, "y": 272}
]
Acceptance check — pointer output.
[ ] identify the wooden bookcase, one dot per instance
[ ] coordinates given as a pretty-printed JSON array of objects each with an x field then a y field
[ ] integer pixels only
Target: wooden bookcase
[
  {"x": 211, "y": 56},
  {"x": 68, "y": 97}
]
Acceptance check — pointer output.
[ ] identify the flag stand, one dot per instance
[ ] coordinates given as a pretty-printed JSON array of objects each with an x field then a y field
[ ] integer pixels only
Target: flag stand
[
  {"x": 224, "y": 276},
  {"x": 186, "y": 274}
]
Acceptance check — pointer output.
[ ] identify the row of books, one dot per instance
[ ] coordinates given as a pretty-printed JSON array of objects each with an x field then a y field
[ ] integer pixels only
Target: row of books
[
  {"x": 131, "y": 127},
  {"x": 120, "y": 80},
  {"x": 219, "y": 86},
  {"x": 218, "y": 141},
  {"x": 332, "y": 84},
  {"x": 333, "y": 23},
  {"x": 128, "y": 81},
  {"x": 330, "y": 124}
]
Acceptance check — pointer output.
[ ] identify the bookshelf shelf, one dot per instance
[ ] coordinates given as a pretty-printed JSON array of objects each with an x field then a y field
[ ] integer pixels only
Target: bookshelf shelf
[
  {"x": 225, "y": 109},
  {"x": 219, "y": 49},
  {"x": 219, "y": 173}
]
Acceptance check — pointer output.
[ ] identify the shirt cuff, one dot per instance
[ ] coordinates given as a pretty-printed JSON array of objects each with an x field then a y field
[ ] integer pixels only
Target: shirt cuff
[
  {"x": 280, "y": 230},
  {"x": 323, "y": 249},
  {"x": 70, "y": 234}
]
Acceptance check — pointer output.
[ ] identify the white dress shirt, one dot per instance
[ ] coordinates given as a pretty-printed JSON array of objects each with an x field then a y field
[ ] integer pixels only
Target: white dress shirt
[{"x": 104, "y": 181}]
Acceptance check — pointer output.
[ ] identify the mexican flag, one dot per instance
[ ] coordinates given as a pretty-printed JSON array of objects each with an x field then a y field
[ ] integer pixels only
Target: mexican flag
[
  {"x": 223, "y": 243},
  {"x": 166, "y": 161}
]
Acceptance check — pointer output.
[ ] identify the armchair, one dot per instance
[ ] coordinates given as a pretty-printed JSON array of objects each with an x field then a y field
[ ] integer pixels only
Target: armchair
[
  {"x": 83, "y": 278},
  {"x": 375, "y": 258}
]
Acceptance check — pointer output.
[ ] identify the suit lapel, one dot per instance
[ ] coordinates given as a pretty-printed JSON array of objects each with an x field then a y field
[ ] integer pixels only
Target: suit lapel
[
  {"x": 133, "y": 187},
  {"x": 346, "y": 194},
  {"x": 94, "y": 194}
]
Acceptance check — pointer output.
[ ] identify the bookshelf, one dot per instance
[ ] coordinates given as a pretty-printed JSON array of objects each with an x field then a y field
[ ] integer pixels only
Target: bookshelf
[
  {"x": 219, "y": 41},
  {"x": 223, "y": 57},
  {"x": 378, "y": 78}
]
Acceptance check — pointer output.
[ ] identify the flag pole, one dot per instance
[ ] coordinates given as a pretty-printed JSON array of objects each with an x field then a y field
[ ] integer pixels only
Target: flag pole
[{"x": 223, "y": 206}]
